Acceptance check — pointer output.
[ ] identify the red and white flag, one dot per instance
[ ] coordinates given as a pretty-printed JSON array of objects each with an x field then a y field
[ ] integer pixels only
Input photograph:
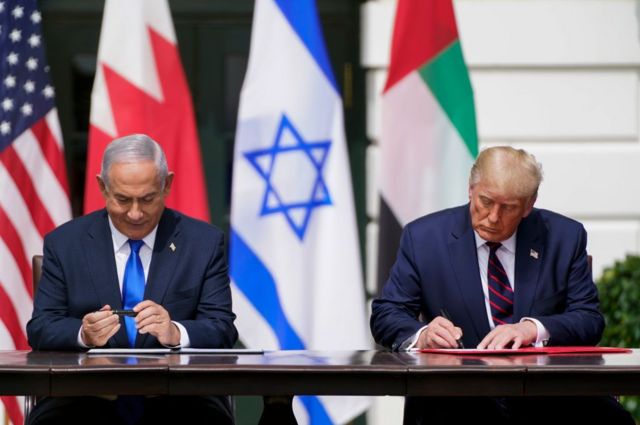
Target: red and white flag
[
  {"x": 34, "y": 195},
  {"x": 140, "y": 87}
]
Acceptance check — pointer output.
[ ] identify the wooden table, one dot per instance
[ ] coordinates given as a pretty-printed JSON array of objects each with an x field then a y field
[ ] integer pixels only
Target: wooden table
[{"x": 288, "y": 373}]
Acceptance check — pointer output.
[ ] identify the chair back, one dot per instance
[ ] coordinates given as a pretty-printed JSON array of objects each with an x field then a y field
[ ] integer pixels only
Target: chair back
[{"x": 36, "y": 265}]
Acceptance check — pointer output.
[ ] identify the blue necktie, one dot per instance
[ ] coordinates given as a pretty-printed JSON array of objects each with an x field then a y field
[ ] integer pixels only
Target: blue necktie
[
  {"x": 132, "y": 288},
  {"x": 500, "y": 292}
]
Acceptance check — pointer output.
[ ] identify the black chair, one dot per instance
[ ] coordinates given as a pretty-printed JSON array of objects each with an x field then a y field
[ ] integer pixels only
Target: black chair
[{"x": 36, "y": 266}]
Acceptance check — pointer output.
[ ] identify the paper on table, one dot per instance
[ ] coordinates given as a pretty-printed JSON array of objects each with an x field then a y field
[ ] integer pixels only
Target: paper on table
[
  {"x": 220, "y": 351},
  {"x": 528, "y": 350},
  {"x": 173, "y": 351}
]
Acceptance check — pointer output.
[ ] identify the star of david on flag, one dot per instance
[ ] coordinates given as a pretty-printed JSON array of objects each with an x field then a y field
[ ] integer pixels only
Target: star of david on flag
[
  {"x": 291, "y": 154},
  {"x": 294, "y": 257}
]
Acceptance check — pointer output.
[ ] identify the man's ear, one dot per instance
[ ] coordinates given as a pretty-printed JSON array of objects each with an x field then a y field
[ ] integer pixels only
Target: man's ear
[
  {"x": 101, "y": 185},
  {"x": 529, "y": 205},
  {"x": 167, "y": 184}
]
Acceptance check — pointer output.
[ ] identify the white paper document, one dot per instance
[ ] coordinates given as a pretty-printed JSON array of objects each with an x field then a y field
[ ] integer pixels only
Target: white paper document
[{"x": 174, "y": 351}]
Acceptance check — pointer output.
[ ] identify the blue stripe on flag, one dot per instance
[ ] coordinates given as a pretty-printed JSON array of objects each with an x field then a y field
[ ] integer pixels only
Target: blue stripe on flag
[
  {"x": 317, "y": 413},
  {"x": 256, "y": 282},
  {"x": 303, "y": 17}
]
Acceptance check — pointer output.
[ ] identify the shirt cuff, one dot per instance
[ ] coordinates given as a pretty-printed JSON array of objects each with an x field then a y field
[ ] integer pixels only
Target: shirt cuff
[
  {"x": 185, "y": 342},
  {"x": 543, "y": 334},
  {"x": 80, "y": 341},
  {"x": 411, "y": 342}
]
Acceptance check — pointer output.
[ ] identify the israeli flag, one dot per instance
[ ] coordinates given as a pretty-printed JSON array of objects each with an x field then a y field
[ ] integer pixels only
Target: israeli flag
[{"x": 295, "y": 262}]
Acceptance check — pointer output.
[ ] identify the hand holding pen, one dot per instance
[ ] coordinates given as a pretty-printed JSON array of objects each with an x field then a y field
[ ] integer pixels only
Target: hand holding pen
[
  {"x": 441, "y": 332},
  {"x": 98, "y": 326},
  {"x": 445, "y": 314}
]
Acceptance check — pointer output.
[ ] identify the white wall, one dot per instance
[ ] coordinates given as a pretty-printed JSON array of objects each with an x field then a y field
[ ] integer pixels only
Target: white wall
[{"x": 556, "y": 77}]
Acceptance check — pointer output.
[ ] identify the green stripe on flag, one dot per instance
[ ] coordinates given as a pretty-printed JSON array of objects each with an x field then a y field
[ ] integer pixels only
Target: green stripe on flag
[{"x": 447, "y": 77}]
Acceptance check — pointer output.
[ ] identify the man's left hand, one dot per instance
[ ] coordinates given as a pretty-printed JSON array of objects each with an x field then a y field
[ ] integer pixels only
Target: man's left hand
[
  {"x": 510, "y": 336},
  {"x": 152, "y": 318}
]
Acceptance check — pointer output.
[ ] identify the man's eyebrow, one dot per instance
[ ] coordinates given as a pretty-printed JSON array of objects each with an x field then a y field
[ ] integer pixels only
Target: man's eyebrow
[{"x": 146, "y": 195}]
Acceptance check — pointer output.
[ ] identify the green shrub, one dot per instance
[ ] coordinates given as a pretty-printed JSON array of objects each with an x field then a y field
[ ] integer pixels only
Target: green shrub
[{"x": 619, "y": 289}]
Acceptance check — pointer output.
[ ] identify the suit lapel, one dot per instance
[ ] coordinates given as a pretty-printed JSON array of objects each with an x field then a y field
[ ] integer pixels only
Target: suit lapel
[
  {"x": 101, "y": 264},
  {"x": 464, "y": 259},
  {"x": 529, "y": 257},
  {"x": 167, "y": 249}
]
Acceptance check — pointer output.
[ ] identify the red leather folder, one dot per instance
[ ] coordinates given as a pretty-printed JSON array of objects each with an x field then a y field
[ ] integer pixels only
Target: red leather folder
[{"x": 528, "y": 350}]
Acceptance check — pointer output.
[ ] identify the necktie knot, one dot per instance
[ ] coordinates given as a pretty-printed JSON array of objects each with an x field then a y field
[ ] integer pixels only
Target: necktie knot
[
  {"x": 494, "y": 246},
  {"x": 136, "y": 245}
]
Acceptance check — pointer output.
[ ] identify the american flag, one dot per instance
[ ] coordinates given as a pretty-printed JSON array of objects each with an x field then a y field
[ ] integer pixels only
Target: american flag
[{"x": 34, "y": 195}]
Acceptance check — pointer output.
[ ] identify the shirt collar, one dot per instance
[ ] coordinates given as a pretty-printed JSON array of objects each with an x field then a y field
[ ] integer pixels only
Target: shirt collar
[
  {"x": 119, "y": 239},
  {"x": 508, "y": 244}
]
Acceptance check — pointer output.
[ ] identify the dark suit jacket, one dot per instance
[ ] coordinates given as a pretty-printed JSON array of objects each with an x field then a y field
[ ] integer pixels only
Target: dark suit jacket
[
  {"x": 79, "y": 276},
  {"x": 437, "y": 267}
]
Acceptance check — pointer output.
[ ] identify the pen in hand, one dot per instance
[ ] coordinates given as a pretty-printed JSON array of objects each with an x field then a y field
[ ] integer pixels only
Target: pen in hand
[
  {"x": 444, "y": 314},
  {"x": 129, "y": 313}
]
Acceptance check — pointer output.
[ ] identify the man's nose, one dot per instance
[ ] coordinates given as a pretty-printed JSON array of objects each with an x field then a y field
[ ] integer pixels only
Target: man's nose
[
  {"x": 134, "y": 213},
  {"x": 494, "y": 214}
]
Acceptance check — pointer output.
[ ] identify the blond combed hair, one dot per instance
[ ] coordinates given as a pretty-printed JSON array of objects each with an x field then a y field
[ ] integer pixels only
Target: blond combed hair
[{"x": 514, "y": 172}]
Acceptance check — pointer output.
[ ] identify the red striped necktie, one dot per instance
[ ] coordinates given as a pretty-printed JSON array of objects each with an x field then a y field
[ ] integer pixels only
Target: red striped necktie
[{"x": 500, "y": 292}]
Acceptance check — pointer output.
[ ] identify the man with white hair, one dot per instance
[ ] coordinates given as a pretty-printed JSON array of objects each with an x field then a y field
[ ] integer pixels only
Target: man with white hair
[
  {"x": 166, "y": 270},
  {"x": 495, "y": 273}
]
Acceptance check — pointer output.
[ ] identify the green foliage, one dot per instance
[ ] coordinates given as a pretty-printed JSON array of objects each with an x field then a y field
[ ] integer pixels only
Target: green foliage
[{"x": 619, "y": 289}]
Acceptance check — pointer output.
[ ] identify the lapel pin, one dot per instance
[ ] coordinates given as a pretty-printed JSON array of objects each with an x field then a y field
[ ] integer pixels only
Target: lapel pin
[
  {"x": 172, "y": 247},
  {"x": 533, "y": 253}
]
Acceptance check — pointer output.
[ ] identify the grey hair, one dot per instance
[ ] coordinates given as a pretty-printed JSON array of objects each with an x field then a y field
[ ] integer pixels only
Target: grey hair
[
  {"x": 513, "y": 171},
  {"x": 134, "y": 148}
]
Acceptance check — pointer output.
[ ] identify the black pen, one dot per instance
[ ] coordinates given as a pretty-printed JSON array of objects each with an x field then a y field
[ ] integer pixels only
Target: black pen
[
  {"x": 129, "y": 313},
  {"x": 446, "y": 316}
]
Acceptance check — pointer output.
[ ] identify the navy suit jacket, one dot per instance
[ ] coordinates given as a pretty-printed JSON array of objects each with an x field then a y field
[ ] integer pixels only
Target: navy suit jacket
[
  {"x": 437, "y": 267},
  {"x": 79, "y": 276}
]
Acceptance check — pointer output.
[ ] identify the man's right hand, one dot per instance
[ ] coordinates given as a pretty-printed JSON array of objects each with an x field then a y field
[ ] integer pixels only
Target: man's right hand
[
  {"x": 99, "y": 326},
  {"x": 440, "y": 333}
]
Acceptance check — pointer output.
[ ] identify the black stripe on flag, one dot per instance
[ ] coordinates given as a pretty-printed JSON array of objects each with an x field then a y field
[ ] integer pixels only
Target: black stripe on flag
[{"x": 388, "y": 242}]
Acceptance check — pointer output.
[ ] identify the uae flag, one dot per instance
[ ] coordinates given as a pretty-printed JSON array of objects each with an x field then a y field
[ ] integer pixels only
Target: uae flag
[
  {"x": 140, "y": 87},
  {"x": 429, "y": 139}
]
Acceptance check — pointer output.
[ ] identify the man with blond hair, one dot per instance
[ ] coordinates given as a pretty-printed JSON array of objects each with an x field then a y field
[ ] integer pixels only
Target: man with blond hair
[{"x": 507, "y": 275}]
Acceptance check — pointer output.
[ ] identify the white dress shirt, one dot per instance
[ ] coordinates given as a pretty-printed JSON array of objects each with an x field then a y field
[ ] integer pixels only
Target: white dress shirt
[{"x": 122, "y": 250}]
